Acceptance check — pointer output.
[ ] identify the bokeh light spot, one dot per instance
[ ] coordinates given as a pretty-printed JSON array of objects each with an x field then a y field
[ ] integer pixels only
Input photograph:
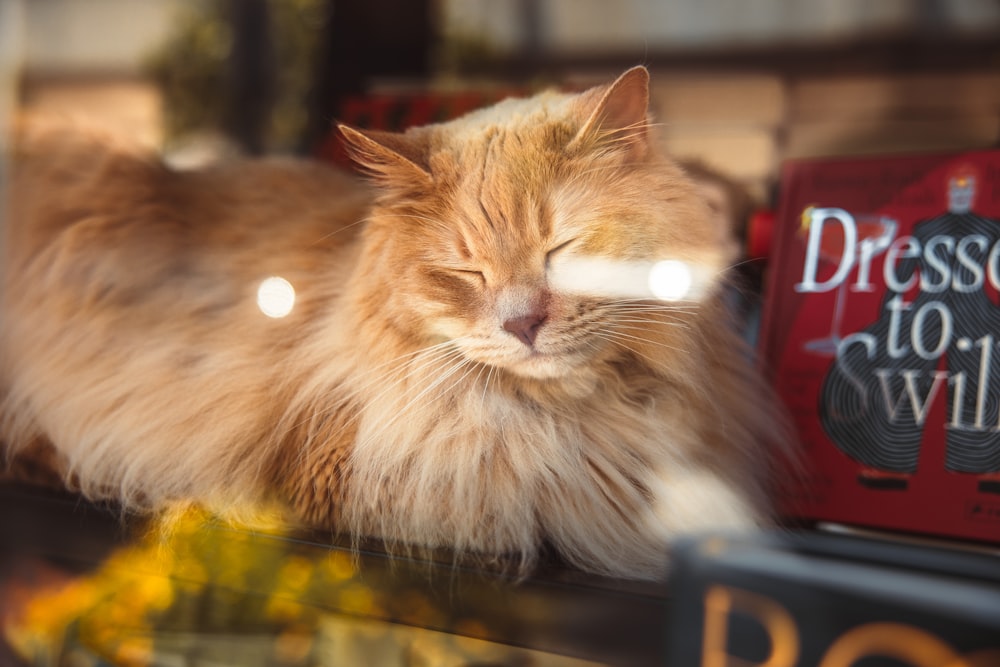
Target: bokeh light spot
[
  {"x": 670, "y": 280},
  {"x": 275, "y": 297}
]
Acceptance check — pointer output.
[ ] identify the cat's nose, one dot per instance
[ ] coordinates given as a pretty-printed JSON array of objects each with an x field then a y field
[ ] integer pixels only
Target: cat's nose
[{"x": 526, "y": 327}]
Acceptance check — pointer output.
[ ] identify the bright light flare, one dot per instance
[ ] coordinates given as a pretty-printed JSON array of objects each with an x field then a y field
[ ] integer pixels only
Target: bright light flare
[
  {"x": 670, "y": 280},
  {"x": 275, "y": 297},
  {"x": 667, "y": 280}
]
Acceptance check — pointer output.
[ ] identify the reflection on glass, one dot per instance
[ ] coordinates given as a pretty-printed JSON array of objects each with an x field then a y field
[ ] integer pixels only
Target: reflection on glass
[
  {"x": 198, "y": 590},
  {"x": 666, "y": 280},
  {"x": 670, "y": 280},
  {"x": 275, "y": 297}
]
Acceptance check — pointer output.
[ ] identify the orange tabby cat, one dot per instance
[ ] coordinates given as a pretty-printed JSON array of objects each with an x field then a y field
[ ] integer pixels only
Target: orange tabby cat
[{"x": 460, "y": 366}]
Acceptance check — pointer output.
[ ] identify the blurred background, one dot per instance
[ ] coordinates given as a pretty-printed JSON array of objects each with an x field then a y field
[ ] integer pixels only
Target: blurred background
[{"x": 739, "y": 85}]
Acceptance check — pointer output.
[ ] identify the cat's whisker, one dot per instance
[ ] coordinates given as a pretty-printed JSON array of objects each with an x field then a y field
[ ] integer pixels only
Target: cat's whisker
[
  {"x": 622, "y": 331},
  {"x": 610, "y": 338},
  {"x": 621, "y": 137},
  {"x": 437, "y": 358},
  {"x": 390, "y": 387},
  {"x": 670, "y": 310},
  {"x": 486, "y": 386},
  {"x": 424, "y": 218},
  {"x": 622, "y": 336},
  {"x": 625, "y": 309},
  {"x": 742, "y": 262},
  {"x": 682, "y": 325},
  {"x": 446, "y": 347},
  {"x": 341, "y": 229},
  {"x": 483, "y": 368},
  {"x": 369, "y": 377},
  {"x": 652, "y": 315},
  {"x": 647, "y": 301},
  {"x": 465, "y": 362},
  {"x": 424, "y": 356},
  {"x": 403, "y": 411},
  {"x": 674, "y": 313},
  {"x": 611, "y": 166},
  {"x": 627, "y": 133},
  {"x": 578, "y": 176},
  {"x": 405, "y": 372},
  {"x": 644, "y": 123},
  {"x": 591, "y": 344},
  {"x": 652, "y": 319},
  {"x": 689, "y": 306}
]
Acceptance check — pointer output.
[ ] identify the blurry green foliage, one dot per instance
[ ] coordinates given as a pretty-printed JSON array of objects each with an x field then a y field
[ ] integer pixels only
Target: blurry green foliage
[{"x": 191, "y": 67}]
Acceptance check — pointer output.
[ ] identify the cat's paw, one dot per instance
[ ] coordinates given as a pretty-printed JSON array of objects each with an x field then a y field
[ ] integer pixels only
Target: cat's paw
[{"x": 696, "y": 501}]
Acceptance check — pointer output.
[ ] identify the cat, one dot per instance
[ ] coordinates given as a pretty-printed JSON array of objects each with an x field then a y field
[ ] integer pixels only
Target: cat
[{"x": 443, "y": 378}]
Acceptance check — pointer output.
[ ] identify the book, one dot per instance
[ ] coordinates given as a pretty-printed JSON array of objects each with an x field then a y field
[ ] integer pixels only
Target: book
[
  {"x": 797, "y": 599},
  {"x": 881, "y": 331}
]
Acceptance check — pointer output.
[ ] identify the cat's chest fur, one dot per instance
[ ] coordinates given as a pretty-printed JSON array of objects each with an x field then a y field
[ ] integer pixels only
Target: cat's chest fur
[{"x": 459, "y": 455}]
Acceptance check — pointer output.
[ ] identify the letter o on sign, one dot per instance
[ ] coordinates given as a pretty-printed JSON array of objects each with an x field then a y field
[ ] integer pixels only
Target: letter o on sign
[{"x": 891, "y": 640}]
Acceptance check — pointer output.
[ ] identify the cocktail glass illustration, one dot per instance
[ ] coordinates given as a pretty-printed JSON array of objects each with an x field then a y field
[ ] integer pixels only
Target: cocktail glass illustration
[{"x": 874, "y": 231}]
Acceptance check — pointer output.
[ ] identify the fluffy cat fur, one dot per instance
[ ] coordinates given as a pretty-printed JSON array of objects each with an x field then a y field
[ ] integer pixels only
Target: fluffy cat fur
[{"x": 431, "y": 386}]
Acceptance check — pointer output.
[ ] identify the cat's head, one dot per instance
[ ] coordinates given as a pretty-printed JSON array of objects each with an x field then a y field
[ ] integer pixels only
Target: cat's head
[{"x": 526, "y": 233}]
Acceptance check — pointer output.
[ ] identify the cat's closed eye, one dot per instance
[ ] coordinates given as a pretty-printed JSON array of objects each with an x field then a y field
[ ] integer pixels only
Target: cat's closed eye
[
  {"x": 470, "y": 274},
  {"x": 556, "y": 250}
]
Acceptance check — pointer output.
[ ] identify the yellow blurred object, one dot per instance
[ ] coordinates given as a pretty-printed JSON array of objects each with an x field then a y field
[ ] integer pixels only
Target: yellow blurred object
[{"x": 246, "y": 595}]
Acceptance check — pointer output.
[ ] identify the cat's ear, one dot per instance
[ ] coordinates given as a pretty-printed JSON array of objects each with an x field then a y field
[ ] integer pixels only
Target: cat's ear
[
  {"x": 393, "y": 158},
  {"x": 616, "y": 113}
]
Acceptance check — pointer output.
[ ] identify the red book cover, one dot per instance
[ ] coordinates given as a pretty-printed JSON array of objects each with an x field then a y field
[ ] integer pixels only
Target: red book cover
[{"x": 882, "y": 329}]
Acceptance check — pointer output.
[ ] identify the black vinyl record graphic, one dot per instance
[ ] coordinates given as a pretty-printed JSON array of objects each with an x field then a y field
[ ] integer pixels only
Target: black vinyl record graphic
[{"x": 942, "y": 346}]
